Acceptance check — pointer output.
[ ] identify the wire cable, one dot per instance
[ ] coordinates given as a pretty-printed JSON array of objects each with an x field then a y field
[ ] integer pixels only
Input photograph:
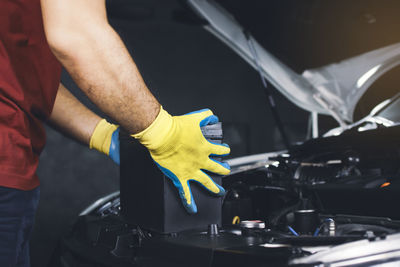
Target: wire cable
[
  {"x": 293, "y": 231},
  {"x": 319, "y": 228},
  {"x": 236, "y": 220}
]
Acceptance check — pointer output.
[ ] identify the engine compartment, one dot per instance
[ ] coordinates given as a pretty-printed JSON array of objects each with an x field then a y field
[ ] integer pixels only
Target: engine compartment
[{"x": 318, "y": 196}]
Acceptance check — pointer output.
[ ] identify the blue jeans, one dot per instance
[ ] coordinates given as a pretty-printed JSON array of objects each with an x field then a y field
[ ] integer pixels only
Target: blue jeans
[{"x": 17, "y": 214}]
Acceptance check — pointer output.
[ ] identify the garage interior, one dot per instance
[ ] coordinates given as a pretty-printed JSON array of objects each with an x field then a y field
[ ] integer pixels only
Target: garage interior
[{"x": 179, "y": 59}]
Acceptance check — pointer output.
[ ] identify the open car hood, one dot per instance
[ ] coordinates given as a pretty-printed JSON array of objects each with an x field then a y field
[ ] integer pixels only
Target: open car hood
[{"x": 333, "y": 89}]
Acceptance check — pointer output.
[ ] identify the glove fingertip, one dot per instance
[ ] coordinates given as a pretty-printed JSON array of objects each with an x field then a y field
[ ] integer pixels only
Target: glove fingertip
[
  {"x": 191, "y": 208},
  {"x": 225, "y": 165},
  {"x": 221, "y": 190},
  {"x": 227, "y": 150},
  {"x": 212, "y": 119},
  {"x": 225, "y": 145},
  {"x": 220, "y": 150}
]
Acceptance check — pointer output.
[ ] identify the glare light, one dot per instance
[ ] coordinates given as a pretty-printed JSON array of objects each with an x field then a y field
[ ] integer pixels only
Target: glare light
[
  {"x": 366, "y": 76},
  {"x": 385, "y": 184}
]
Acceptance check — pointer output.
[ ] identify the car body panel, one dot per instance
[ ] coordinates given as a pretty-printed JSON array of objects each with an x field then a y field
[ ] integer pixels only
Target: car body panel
[{"x": 334, "y": 89}]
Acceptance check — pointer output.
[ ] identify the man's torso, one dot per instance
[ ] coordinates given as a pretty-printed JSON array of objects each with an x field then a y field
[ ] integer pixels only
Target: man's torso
[{"x": 29, "y": 78}]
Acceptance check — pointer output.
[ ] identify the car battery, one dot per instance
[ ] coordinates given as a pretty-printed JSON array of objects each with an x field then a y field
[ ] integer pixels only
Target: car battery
[{"x": 150, "y": 200}]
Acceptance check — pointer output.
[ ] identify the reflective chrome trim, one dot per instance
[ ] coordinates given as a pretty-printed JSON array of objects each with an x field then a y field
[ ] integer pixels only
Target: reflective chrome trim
[
  {"x": 252, "y": 224},
  {"x": 363, "y": 252},
  {"x": 98, "y": 203},
  {"x": 264, "y": 157}
]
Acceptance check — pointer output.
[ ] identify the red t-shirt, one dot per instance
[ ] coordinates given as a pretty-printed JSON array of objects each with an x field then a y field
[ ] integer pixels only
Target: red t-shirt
[{"x": 29, "y": 79}]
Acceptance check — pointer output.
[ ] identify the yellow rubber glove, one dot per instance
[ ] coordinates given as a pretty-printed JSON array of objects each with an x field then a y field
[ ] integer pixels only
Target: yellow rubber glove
[
  {"x": 180, "y": 150},
  {"x": 105, "y": 138}
]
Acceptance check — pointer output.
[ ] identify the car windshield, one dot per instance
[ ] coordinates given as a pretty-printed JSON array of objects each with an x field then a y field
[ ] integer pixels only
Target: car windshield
[{"x": 392, "y": 111}]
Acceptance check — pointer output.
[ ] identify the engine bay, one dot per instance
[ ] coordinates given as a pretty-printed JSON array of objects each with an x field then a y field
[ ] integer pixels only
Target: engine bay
[{"x": 280, "y": 209}]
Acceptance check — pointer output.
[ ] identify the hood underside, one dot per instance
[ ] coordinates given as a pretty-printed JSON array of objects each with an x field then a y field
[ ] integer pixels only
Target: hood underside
[{"x": 333, "y": 89}]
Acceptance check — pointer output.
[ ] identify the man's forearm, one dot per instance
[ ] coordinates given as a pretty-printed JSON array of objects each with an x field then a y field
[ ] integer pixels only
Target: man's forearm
[
  {"x": 72, "y": 117},
  {"x": 81, "y": 38},
  {"x": 98, "y": 61}
]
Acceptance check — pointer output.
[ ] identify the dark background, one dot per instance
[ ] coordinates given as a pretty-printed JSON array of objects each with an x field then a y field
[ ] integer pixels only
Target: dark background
[{"x": 188, "y": 69}]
